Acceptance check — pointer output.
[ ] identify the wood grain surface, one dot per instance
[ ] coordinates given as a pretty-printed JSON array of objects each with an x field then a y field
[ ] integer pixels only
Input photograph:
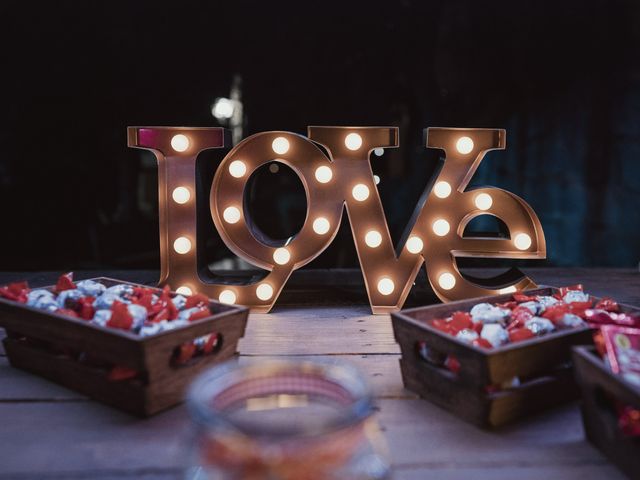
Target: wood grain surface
[{"x": 48, "y": 432}]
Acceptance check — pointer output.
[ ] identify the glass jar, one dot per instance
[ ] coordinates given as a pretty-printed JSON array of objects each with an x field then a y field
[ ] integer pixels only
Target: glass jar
[{"x": 285, "y": 420}]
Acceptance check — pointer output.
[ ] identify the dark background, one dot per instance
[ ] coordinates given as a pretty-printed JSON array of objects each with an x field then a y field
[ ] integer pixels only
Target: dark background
[{"x": 563, "y": 77}]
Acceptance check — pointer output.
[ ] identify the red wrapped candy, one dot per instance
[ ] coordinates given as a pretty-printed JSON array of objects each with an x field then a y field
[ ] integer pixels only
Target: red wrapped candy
[
  {"x": 65, "y": 282},
  {"x": 17, "y": 291},
  {"x": 202, "y": 312},
  {"x": 119, "y": 373},
  {"x": 520, "y": 334},
  {"x": 120, "y": 316}
]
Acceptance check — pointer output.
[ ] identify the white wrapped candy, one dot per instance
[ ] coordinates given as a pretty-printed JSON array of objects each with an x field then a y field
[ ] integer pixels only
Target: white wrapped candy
[
  {"x": 73, "y": 294},
  {"x": 120, "y": 290},
  {"x": 185, "y": 314},
  {"x": 105, "y": 301},
  {"x": 539, "y": 325},
  {"x": 46, "y": 303},
  {"x": 101, "y": 317},
  {"x": 91, "y": 288},
  {"x": 467, "y": 335},
  {"x": 487, "y": 313},
  {"x": 546, "y": 301},
  {"x": 534, "y": 307},
  {"x": 179, "y": 301},
  {"x": 571, "y": 321},
  {"x": 495, "y": 334},
  {"x": 575, "y": 296},
  {"x": 139, "y": 315},
  {"x": 34, "y": 295}
]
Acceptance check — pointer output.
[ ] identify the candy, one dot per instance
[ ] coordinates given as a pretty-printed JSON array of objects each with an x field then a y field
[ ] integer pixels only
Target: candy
[
  {"x": 546, "y": 301},
  {"x": 71, "y": 295},
  {"x": 179, "y": 302},
  {"x": 120, "y": 290},
  {"x": 533, "y": 306},
  {"x": 481, "y": 342},
  {"x": 35, "y": 295},
  {"x": 608, "y": 305},
  {"x": 65, "y": 282},
  {"x": 623, "y": 351},
  {"x": 18, "y": 292},
  {"x": 120, "y": 317},
  {"x": 90, "y": 288},
  {"x": 101, "y": 317},
  {"x": 570, "y": 320},
  {"x": 487, "y": 313},
  {"x": 495, "y": 334},
  {"x": 138, "y": 314},
  {"x": 539, "y": 325},
  {"x": 520, "y": 334},
  {"x": 467, "y": 335},
  {"x": 575, "y": 296}
]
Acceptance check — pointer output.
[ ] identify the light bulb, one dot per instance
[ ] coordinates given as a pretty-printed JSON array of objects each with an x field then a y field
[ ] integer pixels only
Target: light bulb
[
  {"x": 321, "y": 225},
  {"x": 280, "y": 145},
  {"x": 522, "y": 241},
  {"x": 442, "y": 189},
  {"x": 464, "y": 145},
  {"x": 264, "y": 291},
  {"x": 181, "y": 195},
  {"x": 483, "y": 201},
  {"x": 324, "y": 174},
  {"x": 414, "y": 244},
  {"x": 179, "y": 142},
  {"x": 227, "y": 296},
  {"x": 379, "y": 152},
  {"x": 353, "y": 141},
  {"x": 441, "y": 227},
  {"x": 386, "y": 286},
  {"x": 184, "y": 290},
  {"x": 360, "y": 192},
  {"x": 510, "y": 289},
  {"x": 281, "y": 256},
  {"x": 376, "y": 179},
  {"x": 373, "y": 239},
  {"x": 231, "y": 215},
  {"x": 447, "y": 281},
  {"x": 237, "y": 168},
  {"x": 182, "y": 245},
  {"x": 223, "y": 108}
]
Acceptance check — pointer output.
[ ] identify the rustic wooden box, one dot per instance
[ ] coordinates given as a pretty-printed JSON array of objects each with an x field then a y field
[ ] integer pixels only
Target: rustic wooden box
[
  {"x": 599, "y": 388},
  {"x": 542, "y": 365},
  {"x": 161, "y": 383}
]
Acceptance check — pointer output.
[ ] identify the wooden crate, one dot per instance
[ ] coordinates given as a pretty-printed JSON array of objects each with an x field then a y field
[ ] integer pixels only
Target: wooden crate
[
  {"x": 542, "y": 365},
  {"x": 600, "y": 389},
  {"x": 35, "y": 339}
]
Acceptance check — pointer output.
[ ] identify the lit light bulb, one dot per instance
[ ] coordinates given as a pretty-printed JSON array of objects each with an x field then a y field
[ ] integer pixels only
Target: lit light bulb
[
  {"x": 447, "y": 281},
  {"x": 379, "y": 152},
  {"x": 179, "y": 142},
  {"x": 182, "y": 245},
  {"x": 483, "y": 201},
  {"x": 360, "y": 192},
  {"x": 386, "y": 286},
  {"x": 376, "y": 179},
  {"x": 321, "y": 225},
  {"x": 353, "y": 141},
  {"x": 280, "y": 145},
  {"x": 184, "y": 290},
  {"x": 373, "y": 239},
  {"x": 522, "y": 241},
  {"x": 231, "y": 215},
  {"x": 227, "y": 296},
  {"x": 510, "y": 289},
  {"x": 441, "y": 227},
  {"x": 237, "y": 168},
  {"x": 414, "y": 244},
  {"x": 464, "y": 145},
  {"x": 181, "y": 195},
  {"x": 442, "y": 189},
  {"x": 281, "y": 256},
  {"x": 223, "y": 108},
  {"x": 264, "y": 291},
  {"x": 324, "y": 174}
]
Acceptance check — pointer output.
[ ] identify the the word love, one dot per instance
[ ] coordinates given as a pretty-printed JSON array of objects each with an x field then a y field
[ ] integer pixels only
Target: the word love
[{"x": 341, "y": 177}]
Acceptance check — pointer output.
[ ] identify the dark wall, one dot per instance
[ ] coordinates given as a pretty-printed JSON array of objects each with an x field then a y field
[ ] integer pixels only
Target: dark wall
[{"x": 562, "y": 77}]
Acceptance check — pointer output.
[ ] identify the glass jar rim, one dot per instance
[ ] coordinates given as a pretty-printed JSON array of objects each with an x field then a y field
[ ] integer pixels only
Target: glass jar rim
[{"x": 208, "y": 386}]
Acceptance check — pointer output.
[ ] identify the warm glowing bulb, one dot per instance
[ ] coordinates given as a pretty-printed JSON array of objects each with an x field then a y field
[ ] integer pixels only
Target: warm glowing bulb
[
  {"x": 353, "y": 141},
  {"x": 376, "y": 179},
  {"x": 237, "y": 168},
  {"x": 324, "y": 174},
  {"x": 231, "y": 215},
  {"x": 373, "y": 239},
  {"x": 464, "y": 145},
  {"x": 386, "y": 286},
  {"x": 179, "y": 142},
  {"x": 522, "y": 241},
  {"x": 483, "y": 201},
  {"x": 227, "y": 296},
  {"x": 442, "y": 189},
  {"x": 181, "y": 195},
  {"x": 321, "y": 225},
  {"x": 182, "y": 245},
  {"x": 360, "y": 192},
  {"x": 264, "y": 291},
  {"x": 510, "y": 289},
  {"x": 280, "y": 145},
  {"x": 441, "y": 227},
  {"x": 379, "y": 152},
  {"x": 281, "y": 256},
  {"x": 184, "y": 290},
  {"x": 447, "y": 281},
  {"x": 414, "y": 244}
]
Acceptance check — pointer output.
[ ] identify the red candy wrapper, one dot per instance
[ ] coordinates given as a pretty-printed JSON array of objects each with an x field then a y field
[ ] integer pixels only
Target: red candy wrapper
[
  {"x": 15, "y": 291},
  {"x": 623, "y": 351},
  {"x": 65, "y": 282}
]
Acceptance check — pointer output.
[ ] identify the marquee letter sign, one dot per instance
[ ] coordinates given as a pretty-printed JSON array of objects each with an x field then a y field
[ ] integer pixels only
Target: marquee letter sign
[{"x": 340, "y": 177}]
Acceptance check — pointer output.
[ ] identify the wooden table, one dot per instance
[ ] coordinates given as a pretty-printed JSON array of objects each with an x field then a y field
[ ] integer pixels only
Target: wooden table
[{"x": 48, "y": 432}]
